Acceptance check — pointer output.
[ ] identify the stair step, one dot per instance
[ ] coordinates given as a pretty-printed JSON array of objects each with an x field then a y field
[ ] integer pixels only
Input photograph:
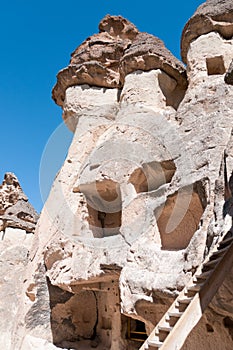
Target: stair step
[
  {"x": 154, "y": 343},
  {"x": 165, "y": 328},
  {"x": 212, "y": 262},
  {"x": 168, "y": 324},
  {"x": 184, "y": 300},
  {"x": 195, "y": 287},
  {"x": 200, "y": 278},
  {"x": 226, "y": 241},
  {"x": 204, "y": 274},
  {"x": 221, "y": 251},
  {"x": 215, "y": 257},
  {"x": 175, "y": 314}
]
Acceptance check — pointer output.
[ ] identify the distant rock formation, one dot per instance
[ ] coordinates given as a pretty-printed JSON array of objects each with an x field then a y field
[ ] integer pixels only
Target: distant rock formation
[
  {"x": 15, "y": 210},
  {"x": 17, "y": 225},
  {"x": 139, "y": 200}
]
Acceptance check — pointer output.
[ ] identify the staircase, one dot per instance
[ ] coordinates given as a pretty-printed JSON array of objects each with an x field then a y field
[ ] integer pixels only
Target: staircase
[{"x": 188, "y": 308}]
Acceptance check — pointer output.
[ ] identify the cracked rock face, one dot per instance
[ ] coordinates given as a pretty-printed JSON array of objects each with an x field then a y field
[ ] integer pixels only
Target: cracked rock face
[
  {"x": 105, "y": 59},
  {"x": 229, "y": 74},
  {"x": 140, "y": 198},
  {"x": 10, "y": 192},
  {"x": 15, "y": 210},
  {"x": 17, "y": 224},
  {"x": 148, "y": 52},
  {"x": 212, "y": 16}
]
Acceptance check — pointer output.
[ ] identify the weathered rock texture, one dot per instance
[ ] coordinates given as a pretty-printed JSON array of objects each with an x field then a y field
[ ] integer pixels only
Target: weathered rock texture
[
  {"x": 105, "y": 59},
  {"x": 15, "y": 210},
  {"x": 139, "y": 200},
  {"x": 212, "y": 16},
  {"x": 229, "y": 74},
  {"x": 18, "y": 219}
]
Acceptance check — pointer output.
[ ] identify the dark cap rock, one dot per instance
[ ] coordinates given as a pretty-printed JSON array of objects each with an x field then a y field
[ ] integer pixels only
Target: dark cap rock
[
  {"x": 117, "y": 26},
  {"x": 149, "y": 52},
  {"x": 212, "y": 16},
  {"x": 104, "y": 59},
  {"x": 96, "y": 60}
]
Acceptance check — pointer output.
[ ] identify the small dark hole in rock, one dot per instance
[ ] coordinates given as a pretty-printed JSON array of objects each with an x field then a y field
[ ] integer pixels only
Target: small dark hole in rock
[
  {"x": 209, "y": 328},
  {"x": 228, "y": 322},
  {"x": 215, "y": 65}
]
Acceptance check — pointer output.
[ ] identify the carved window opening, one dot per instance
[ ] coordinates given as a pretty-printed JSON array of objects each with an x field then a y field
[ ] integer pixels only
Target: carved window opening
[
  {"x": 73, "y": 316},
  {"x": 152, "y": 175},
  {"x": 88, "y": 317},
  {"x": 180, "y": 216},
  {"x": 215, "y": 65},
  {"x": 228, "y": 323},
  {"x": 104, "y": 205},
  {"x": 172, "y": 91},
  {"x": 136, "y": 330},
  {"x": 209, "y": 328}
]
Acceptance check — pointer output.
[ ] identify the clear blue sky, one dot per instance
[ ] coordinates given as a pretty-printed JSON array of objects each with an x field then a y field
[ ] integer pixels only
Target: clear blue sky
[{"x": 37, "y": 38}]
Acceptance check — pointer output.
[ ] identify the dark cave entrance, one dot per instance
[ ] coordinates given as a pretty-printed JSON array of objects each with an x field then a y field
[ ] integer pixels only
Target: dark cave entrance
[{"x": 104, "y": 205}]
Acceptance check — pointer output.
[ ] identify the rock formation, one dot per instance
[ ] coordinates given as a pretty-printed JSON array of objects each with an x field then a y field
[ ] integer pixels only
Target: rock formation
[
  {"x": 212, "y": 16},
  {"x": 105, "y": 59},
  {"x": 15, "y": 210},
  {"x": 17, "y": 224},
  {"x": 139, "y": 200}
]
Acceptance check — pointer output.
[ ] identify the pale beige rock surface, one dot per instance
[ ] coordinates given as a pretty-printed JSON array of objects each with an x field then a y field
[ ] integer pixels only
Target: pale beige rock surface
[
  {"x": 140, "y": 198},
  {"x": 18, "y": 219}
]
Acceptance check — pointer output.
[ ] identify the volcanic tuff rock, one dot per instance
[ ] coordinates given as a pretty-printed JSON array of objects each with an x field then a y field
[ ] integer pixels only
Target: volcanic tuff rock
[
  {"x": 147, "y": 52},
  {"x": 212, "y": 16},
  {"x": 229, "y": 74},
  {"x": 17, "y": 222},
  {"x": 140, "y": 199},
  {"x": 105, "y": 59},
  {"x": 10, "y": 192},
  {"x": 15, "y": 210}
]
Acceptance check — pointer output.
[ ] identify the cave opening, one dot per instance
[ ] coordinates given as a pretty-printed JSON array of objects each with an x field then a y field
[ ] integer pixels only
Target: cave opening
[
  {"x": 136, "y": 330},
  {"x": 89, "y": 317},
  {"x": 179, "y": 218},
  {"x": 104, "y": 205},
  {"x": 73, "y": 316},
  {"x": 228, "y": 323},
  {"x": 215, "y": 65},
  {"x": 152, "y": 175},
  {"x": 172, "y": 90}
]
